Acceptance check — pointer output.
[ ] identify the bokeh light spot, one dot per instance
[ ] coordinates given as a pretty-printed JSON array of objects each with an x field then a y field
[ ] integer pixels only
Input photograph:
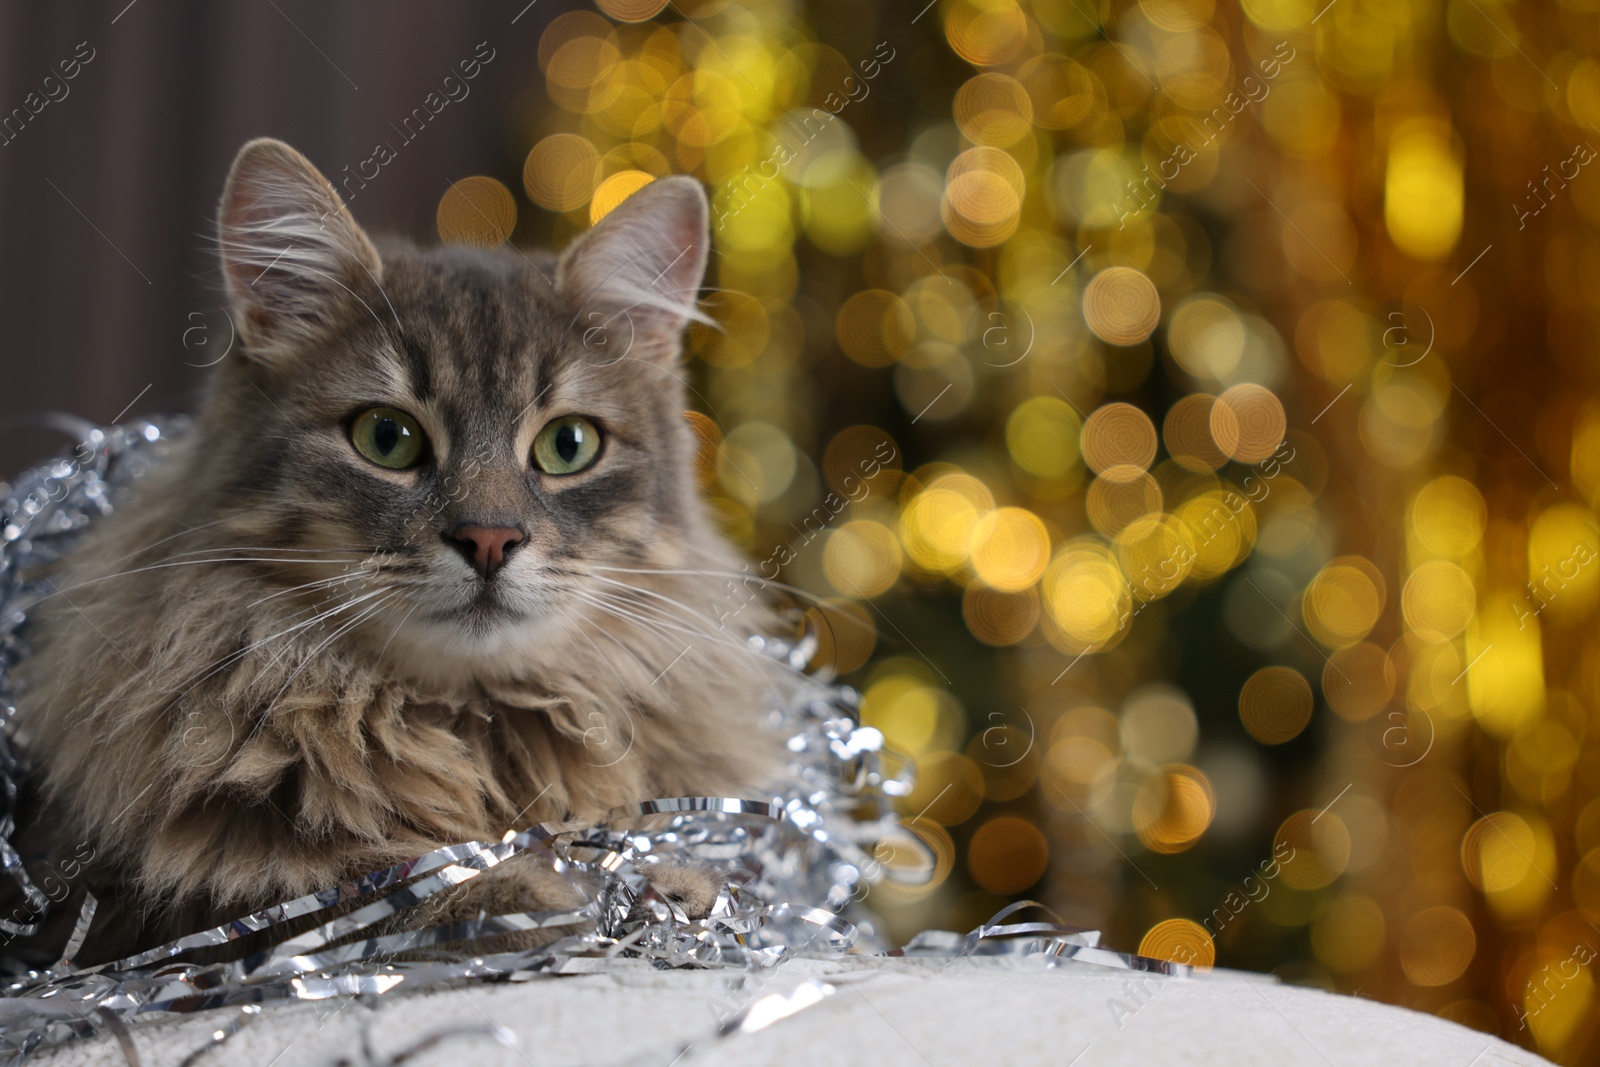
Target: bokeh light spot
[
  {"x": 562, "y": 172},
  {"x": 1186, "y": 430},
  {"x": 862, "y": 558},
  {"x": 614, "y": 190},
  {"x": 949, "y": 789},
  {"x": 1438, "y": 600},
  {"x": 1121, "y": 306},
  {"x": 1042, "y": 437},
  {"x": 1449, "y": 516},
  {"x": 1313, "y": 848},
  {"x": 1207, "y": 337},
  {"x": 1007, "y": 855},
  {"x": 1126, "y": 494},
  {"x": 1358, "y": 681},
  {"x": 1247, "y": 423},
  {"x": 1348, "y": 937},
  {"x": 1010, "y": 547},
  {"x": 631, "y": 10},
  {"x": 1341, "y": 604},
  {"x": 845, "y": 631},
  {"x": 1181, "y": 941},
  {"x": 997, "y": 618},
  {"x": 1119, "y": 436},
  {"x": 1173, "y": 808},
  {"x": 1436, "y": 946},
  {"x": 1275, "y": 705},
  {"x": 875, "y": 328},
  {"x": 477, "y": 211}
]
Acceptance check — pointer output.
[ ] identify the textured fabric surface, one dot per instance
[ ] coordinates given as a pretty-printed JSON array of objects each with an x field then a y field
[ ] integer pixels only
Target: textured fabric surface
[{"x": 880, "y": 1012}]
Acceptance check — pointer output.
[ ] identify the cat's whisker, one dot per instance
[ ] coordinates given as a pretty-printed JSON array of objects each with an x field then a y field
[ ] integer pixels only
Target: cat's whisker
[
  {"x": 232, "y": 657},
  {"x": 273, "y": 548},
  {"x": 673, "y": 602},
  {"x": 626, "y": 611},
  {"x": 663, "y": 601},
  {"x": 403, "y": 619},
  {"x": 623, "y": 595},
  {"x": 599, "y": 287},
  {"x": 801, "y": 593},
  {"x": 697, "y": 315},
  {"x": 595, "y": 291},
  {"x": 181, "y": 533},
  {"x": 656, "y": 627},
  {"x": 689, "y": 645},
  {"x": 688, "y": 612},
  {"x": 717, "y": 635},
  {"x": 352, "y": 292},
  {"x": 742, "y": 576},
  {"x": 311, "y": 656},
  {"x": 619, "y": 609},
  {"x": 385, "y": 293},
  {"x": 578, "y": 623},
  {"x": 217, "y": 665},
  {"x": 179, "y": 563},
  {"x": 352, "y": 602},
  {"x": 255, "y": 244},
  {"x": 624, "y": 617},
  {"x": 316, "y": 584}
]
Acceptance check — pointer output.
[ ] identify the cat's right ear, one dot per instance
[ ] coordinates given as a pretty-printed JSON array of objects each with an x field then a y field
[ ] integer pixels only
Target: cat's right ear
[{"x": 293, "y": 257}]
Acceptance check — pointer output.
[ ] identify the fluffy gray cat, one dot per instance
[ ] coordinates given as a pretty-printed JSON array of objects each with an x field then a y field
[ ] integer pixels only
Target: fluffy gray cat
[{"x": 431, "y": 565}]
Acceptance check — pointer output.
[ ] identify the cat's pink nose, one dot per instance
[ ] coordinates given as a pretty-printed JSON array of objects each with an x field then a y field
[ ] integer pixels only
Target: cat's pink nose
[{"x": 486, "y": 547}]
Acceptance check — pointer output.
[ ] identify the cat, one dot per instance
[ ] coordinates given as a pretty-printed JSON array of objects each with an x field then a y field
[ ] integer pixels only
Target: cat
[{"x": 430, "y": 565}]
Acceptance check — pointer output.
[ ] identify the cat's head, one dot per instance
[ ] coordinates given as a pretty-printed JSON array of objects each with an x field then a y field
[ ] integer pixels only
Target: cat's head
[{"x": 472, "y": 432}]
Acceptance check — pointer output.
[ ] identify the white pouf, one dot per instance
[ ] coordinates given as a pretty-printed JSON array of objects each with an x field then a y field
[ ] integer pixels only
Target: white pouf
[{"x": 867, "y": 1011}]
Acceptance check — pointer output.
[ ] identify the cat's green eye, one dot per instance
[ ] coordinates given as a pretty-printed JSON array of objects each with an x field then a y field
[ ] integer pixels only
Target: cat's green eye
[
  {"x": 389, "y": 438},
  {"x": 566, "y": 445}
]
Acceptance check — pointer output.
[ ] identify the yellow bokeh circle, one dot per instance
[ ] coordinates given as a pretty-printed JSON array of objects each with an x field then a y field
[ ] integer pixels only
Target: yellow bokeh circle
[
  {"x": 477, "y": 211},
  {"x": 997, "y": 618},
  {"x": 1313, "y": 848},
  {"x": 1010, "y": 548},
  {"x": 614, "y": 190},
  {"x": 631, "y": 10},
  {"x": 1247, "y": 423},
  {"x": 1436, "y": 946},
  {"x": 1042, "y": 437},
  {"x": 1275, "y": 704},
  {"x": 1087, "y": 598},
  {"x": 1181, "y": 941},
  {"x": 562, "y": 172},
  {"x": 1349, "y": 936},
  {"x": 1342, "y": 603},
  {"x": 1007, "y": 855},
  {"x": 862, "y": 558},
  {"x": 1121, "y": 306},
  {"x": 1119, "y": 441},
  {"x": 875, "y": 328},
  {"x": 1438, "y": 600},
  {"x": 1173, "y": 808}
]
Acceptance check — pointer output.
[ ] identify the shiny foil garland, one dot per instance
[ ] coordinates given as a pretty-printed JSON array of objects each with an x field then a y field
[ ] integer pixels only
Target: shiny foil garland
[{"x": 798, "y": 863}]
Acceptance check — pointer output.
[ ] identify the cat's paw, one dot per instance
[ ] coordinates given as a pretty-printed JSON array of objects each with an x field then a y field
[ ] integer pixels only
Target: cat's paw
[
  {"x": 689, "y": 887},
  {"x": 522, "y": 884}
]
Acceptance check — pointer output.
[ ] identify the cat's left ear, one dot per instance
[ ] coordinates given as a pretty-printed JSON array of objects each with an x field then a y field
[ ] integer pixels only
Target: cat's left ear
[
  {"x": 635, "y": 277},
  {"x": 293, "y": 257}
]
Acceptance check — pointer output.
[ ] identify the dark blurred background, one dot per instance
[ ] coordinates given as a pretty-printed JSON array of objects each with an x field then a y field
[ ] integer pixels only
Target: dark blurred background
[
  {"x": 108, "y": 195},
  {"x": 1229, "y": 579}
]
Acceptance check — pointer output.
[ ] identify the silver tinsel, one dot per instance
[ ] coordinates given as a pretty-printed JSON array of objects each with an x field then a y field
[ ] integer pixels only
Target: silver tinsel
[{"x": 797, "y": 861}]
